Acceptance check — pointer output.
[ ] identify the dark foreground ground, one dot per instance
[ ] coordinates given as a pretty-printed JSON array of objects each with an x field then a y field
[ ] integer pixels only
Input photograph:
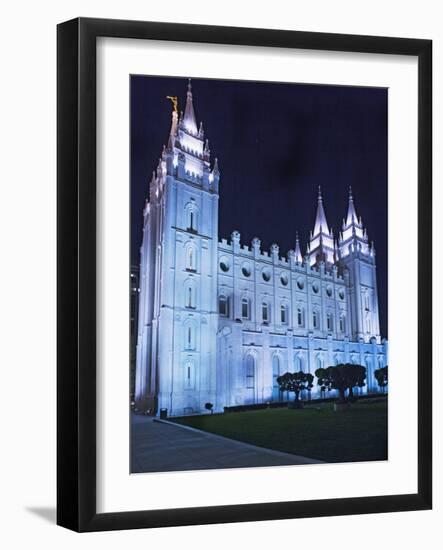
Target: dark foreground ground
[
  {"x": 167, "y": 447},
  {"x": 317, "y": 431}
]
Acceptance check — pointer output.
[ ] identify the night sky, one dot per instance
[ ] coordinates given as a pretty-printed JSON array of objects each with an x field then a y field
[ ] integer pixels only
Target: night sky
[{"x": 275, "y": 144}]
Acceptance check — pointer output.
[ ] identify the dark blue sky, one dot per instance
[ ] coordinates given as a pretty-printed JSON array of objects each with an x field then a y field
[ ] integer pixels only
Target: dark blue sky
[{"x": 275, "y": 143}]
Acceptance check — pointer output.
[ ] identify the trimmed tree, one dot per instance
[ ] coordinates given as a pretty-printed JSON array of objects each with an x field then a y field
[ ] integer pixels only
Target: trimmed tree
[
  {"x": 209, "y": 407},
  {"x": 295, "y": 382},
  {"x": 356, "y": 376},
  {"x": 324, "y": 380},
  {"x": 381, "y": 375},
  {"x": 341, "y": 378}
]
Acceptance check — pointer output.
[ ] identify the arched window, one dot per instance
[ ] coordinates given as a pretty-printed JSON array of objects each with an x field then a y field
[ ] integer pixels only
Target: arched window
[
  {"x": 342, "y": 323},
  {"x": 315, "y": 318},
  {"x": 275, "y": 370},
  {"x": 189, "y": 375},
  {"x": 250, "y": 372},
  {"x": 368, "y": 324},
  {"x": 265, "y": 312},
  {"x": 300, "y": 316},
  {"x": 245, "y": 308},
  {"x": 329, "y": 322},
  {"x": 298, "y": 363},
  {"x": 190, "y": 341},
  {"x": 191, "y": 217},
  {"x": 284, "y": 314},
  {"x": 318, "y": 362},
  {"x": 223, "y": 305},
  {"x": 367, "y": 301},
  {"x": 191, "y": 264},
  {"x": 190, "y": 297}
]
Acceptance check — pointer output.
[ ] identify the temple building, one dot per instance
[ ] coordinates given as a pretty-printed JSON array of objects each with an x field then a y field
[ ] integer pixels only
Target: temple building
[{"x": 218, "y": 320}]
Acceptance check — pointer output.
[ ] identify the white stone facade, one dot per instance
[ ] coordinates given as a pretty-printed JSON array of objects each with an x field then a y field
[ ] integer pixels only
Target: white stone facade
[{"x": 218, "y": 320}]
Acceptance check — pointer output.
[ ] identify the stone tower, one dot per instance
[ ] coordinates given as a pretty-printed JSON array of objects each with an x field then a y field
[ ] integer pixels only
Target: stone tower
[
  {"x": 176, "y": 356},
  {"x": 357, "y": 259}
]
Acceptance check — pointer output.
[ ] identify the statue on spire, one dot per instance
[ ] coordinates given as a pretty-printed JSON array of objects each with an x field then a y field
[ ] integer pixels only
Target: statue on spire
[{"x": 174, "y": 101}]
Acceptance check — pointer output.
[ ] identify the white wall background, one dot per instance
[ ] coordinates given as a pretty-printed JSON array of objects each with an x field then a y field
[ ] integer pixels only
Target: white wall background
[{"x": 27, "y": 276}]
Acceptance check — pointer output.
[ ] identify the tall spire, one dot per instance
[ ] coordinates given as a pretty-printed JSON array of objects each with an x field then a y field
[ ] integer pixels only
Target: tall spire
[
  {"x": 321, "y": 225},
  {"x": 215, "y": 170},
  {"x": 321, "y": 243},
  {"x": 352, "y": 215},
  {"x": 189, "y": 116},
  {"x": 353, "y": 235}
]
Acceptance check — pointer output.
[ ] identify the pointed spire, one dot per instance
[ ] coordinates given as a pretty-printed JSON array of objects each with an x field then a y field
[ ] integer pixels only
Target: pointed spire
[
  {"x": 298, "y": 256},
  {"x": 215, "y": 170},
  {"x": 189, "y": 116},
  {"x": 321, "y": 225},
  {"x": 352, "y": 215}
]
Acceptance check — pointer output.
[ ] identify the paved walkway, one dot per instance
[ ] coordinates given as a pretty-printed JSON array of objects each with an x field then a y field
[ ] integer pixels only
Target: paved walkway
[{"x": 158, "y": 446}]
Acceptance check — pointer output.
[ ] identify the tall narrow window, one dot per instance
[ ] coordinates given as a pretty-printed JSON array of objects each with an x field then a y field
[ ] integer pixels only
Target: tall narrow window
[
  {"x": 298, "y": 364},
  {"x": 300, "y": 317},
  {"x": 189, "y": 336},
  {"x": 315, "y": 319},
  {"x": 329, "y": 321},
  {"x": 191, "y": 259},
  {"x": 275, "y": 371},
  {"x": 265, "y": 312},
  {"x": 368, "y": 324},
  {"x": 245, "y": 308},
  {"x": 342, "y": 323},
  {"x": 250, "y": 372},
  {"x": 367, "y": 302},
  {"x": 190, "y": 297},
  {"x": 283, "y": 314},
  {"x": 188, "y": 375},
  {"x": 223, "y": 305},
  {"x": 191, "y": 217}
]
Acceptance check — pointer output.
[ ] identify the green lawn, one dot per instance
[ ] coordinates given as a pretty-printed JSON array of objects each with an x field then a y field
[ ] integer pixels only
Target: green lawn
[{"x": 356, "y": 434}]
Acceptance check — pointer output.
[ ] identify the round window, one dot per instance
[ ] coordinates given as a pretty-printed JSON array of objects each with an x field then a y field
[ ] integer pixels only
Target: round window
[
  {"x": 300, "y": 284},
  {"x": 329, "y": 291},
  {"x": 341, "y": 294},
  {"x": 284, "y": 279},
  {"x": 224, "y": 265},
  {"x": 266, "y": 274},
  {"x": 246, "y": 270},
  {"x": 315, "y": 288}
]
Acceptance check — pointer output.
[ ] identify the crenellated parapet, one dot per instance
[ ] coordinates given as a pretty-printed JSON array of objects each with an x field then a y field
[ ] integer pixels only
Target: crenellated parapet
[{"x": 272, "y": 257}]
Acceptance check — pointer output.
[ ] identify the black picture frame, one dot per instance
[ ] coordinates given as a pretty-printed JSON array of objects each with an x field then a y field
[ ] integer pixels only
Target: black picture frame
[{"x": 76, "y": 265}]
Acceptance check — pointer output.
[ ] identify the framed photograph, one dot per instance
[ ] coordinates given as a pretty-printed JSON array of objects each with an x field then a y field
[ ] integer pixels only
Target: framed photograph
[{"x": 244, "y": 274}]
